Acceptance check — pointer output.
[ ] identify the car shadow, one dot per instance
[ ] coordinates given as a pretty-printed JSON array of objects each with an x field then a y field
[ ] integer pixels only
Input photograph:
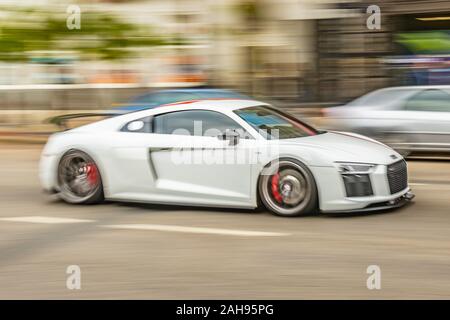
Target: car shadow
[
  {"x": 172, "y": 207},
  {"x": 258, "y": 211},
  {"x": 54, "y": 200},
  {"x": 146, "y": 207}
]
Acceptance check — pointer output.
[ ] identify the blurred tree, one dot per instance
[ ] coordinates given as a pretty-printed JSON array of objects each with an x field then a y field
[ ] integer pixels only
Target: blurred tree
[
  {"x": 425, "y": 42},
  {"x": 251, "y": 12},
  {"x": 102, "y": 36}
]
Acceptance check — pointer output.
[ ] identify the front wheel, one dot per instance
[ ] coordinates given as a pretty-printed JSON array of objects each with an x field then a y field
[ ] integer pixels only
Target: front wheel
[
  {"x": 287, "y": 188},
  {"x": 79, "y": 179}
]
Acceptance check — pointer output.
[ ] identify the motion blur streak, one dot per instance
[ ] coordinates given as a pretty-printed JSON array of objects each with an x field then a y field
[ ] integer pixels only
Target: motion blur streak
[
  {"x": 158, "y": 227},
  {"x": 324, "y": 256},
  {"x": 315, "y": 58}
]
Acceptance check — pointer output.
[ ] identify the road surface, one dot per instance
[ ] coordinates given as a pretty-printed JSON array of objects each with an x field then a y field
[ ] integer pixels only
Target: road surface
[{"x": 165, "y": 252}]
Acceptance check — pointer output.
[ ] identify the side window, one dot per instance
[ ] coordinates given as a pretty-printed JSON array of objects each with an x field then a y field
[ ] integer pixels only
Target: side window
[
  {"x": 143, "y": 125},
  {"x": 195, "y": 122},
  {"x": 429, "y": 100}
]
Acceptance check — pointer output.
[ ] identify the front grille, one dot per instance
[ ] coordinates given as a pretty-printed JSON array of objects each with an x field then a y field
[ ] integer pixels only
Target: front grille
[{"x": 397, "y": 175}]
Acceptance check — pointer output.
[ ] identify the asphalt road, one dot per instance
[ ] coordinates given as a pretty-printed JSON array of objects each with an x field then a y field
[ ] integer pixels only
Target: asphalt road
[{"x": 152, "y": 252}]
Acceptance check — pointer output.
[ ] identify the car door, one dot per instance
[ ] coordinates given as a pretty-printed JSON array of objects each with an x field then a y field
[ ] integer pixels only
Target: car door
[
  {"x": 186, "y": 158},
  {"x": 195, "y": 162},
  {"x": 428, "y": 116}
]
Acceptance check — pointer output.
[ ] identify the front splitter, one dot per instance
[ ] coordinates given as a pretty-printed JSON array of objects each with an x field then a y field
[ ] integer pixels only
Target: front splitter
[{"x": 385, "y": 205}]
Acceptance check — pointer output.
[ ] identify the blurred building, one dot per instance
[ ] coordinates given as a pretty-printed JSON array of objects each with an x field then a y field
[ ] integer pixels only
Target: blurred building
[
  {"x": 267, "y": 48},
  {"x": 270, "y": 47},
  {"x": 289, "y": 50},
  {"x": 410, "y": 48}
]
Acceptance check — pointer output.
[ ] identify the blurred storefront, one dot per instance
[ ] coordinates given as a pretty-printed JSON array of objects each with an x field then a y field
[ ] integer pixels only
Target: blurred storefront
[
  {"x": 268, "y": 47},
  {"x": 412, "y": 47},
  {"x": 287, "y": 50}
]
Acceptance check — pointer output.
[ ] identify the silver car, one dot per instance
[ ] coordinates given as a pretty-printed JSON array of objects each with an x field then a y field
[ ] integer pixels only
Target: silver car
[{"x": 408, "y": 119}]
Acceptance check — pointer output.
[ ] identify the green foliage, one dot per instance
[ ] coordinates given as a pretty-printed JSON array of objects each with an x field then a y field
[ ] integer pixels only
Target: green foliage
[
  {"x": 427, "y": 42},
  {"x": 101, "y": 36},
  {"x": 250, "y": 10}
]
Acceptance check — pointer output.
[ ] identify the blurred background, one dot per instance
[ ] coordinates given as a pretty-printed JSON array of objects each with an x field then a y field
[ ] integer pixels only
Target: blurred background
[
  {"x": 303, "y": 54},
  {"x": 314, "y": 58}
]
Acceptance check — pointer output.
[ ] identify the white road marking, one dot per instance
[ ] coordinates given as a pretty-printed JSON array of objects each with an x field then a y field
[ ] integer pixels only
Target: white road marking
[
  {"x": 172, "y": 228},
  {"x": 48, "y": 220}
]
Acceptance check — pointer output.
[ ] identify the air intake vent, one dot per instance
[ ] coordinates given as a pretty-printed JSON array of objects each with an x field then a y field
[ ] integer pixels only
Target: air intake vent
[{"x": 397, "y": 175}]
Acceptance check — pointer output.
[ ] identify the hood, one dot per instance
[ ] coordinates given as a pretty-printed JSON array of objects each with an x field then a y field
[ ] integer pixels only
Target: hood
[{"x": 350, "y": 147}]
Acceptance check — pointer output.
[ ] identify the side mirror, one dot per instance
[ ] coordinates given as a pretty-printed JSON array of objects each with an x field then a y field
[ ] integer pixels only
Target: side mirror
[
  {"x": 231, "y": 136},
  {"x": 136, "y": 125}
]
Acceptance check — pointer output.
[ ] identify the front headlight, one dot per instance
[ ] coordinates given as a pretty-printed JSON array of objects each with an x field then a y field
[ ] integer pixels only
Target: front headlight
[{"x": 354, "y": 168}]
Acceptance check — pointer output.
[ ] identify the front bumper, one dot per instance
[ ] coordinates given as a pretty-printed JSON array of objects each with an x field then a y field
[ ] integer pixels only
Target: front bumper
[{"x": 333, "y": 196}]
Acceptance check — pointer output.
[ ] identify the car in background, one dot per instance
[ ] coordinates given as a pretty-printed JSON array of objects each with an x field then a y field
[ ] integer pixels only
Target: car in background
[
  {"x": 161, "y": 97},
  {"x": 409, "y": 119}
]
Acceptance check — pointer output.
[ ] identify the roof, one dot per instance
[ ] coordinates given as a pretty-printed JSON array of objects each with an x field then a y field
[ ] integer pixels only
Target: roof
[
  {"x": 222, "y": 105},
  {"x": 211, "y": 104},
  {"x": 231, "y": 104}
]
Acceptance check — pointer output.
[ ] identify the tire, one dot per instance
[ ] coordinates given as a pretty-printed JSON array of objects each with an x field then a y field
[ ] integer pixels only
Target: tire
[
  {"x": 79, "y": 179},
  {"x": 288, "y": 189}
]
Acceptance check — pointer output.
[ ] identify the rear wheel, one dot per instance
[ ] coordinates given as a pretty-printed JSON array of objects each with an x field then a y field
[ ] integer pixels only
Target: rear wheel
[
  {"x": 79, "y": 178},
  {"x": 288, "y": 189}
]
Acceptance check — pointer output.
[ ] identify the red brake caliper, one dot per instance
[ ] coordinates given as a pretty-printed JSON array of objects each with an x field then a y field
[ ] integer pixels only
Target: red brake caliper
[
  {"x": 274, "y": 187},
  {"x": 92, "y": 174}
]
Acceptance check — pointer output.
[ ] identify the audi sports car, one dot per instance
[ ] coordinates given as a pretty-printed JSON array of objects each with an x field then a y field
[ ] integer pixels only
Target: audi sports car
[{"x": 227, "y": 153}]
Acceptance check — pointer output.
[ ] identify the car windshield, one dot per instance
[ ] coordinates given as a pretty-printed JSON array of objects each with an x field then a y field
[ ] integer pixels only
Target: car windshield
[{"x": 273, "y": 124}]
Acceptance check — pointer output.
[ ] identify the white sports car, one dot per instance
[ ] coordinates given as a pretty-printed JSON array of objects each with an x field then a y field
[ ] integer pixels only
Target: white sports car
[{"x": 224, "y": 153}]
